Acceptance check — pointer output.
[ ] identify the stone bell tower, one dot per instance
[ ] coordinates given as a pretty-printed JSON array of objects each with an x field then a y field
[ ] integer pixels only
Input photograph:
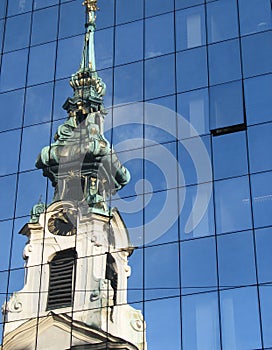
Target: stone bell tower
[{"x": 76, "y": 256}]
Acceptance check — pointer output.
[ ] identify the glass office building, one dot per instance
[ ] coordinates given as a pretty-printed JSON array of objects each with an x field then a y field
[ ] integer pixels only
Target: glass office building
[{"x": 189, "y": 101}]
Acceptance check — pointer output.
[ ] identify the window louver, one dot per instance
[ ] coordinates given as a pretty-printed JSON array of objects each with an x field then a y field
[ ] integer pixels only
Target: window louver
[{"x": 60, "y": 292}]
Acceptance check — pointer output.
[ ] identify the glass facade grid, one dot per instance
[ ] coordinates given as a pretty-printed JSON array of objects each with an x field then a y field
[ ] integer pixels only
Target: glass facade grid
[{"x": 203, "y": 281}]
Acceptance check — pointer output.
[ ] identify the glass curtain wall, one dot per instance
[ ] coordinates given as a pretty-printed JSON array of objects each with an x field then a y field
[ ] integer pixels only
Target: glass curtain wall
[{"x": 189, "y": 99}]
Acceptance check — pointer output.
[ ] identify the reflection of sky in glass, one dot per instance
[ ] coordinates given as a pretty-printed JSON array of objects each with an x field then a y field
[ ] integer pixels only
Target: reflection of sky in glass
[{"x": 220, "y": 250}]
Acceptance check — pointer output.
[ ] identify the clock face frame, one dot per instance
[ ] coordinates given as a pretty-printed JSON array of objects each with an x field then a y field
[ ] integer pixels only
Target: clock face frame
[{"x": 63, "y": 223}]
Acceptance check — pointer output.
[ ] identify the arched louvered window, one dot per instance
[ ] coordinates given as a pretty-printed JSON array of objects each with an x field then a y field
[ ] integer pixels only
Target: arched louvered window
[{"x": 61, "y": 280}]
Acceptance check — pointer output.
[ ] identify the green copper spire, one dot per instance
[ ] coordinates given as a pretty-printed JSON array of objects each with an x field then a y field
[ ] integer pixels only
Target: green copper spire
[
  {"x": 87, "y": 85},
  {"x": 81, "y": 164}
]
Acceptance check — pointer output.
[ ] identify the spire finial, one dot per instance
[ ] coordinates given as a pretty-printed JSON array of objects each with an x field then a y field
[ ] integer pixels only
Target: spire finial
[
  {"x": 91, "y": 8},
  {"x": 91, "y": 5}
]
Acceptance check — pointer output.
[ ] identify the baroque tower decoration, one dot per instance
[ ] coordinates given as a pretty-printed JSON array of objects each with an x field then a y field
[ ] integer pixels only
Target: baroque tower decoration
[{"x": 76, "y": 257}]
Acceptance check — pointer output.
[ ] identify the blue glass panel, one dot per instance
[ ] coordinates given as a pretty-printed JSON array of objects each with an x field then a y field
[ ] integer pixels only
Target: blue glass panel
[
  {"x": 39, "y": 136},
  {"x": 224, "y": 62},
  {"x": 127, "y": 11},
  {"x": 70, "y": 27},
  {"x": 222, "y": 20},
  {"x": 240, "y": 319},
  {"x": 255, "y": 16},
  {"x": 160, "y": 166},
  {"x": 31, "y": 186},
  {"x": 106, "y": 76},
  {"x": 38, "y": 106},
  {"x": 71, "y": 48},
  {"x": 104, "y": 48},
  {"x": 9, "y": 155},
  {"x": 226, "y": 103},
  {"x": 38, "y": 71},
  {"x": 182, "y": 4},
  {"x": 165, "y": 85},
  {"x": 230, "y": 155},
  {"x": 155, "y": 7},
  {"x": 236, "y": 261},
  {"x": 6, "y": 235},
  {"x": 8, "y": 187},
  {"x": 188, "y": 77},
  {"x": 3, "y": 5},
  {"x": 14, "y": 119},
  {"x": 190, "y": 28},
  {"x": 260, "y": 141},
  {"x": 105, "y": 16},
  {"x": 160, "y": 110},
  {"x": 159, "y": 35},
  {"x": 262, "y": 199},
  {"x": 128, "y": 82},
  {"x": 258, "y": 96},
  {"x": 198, "y": 275},
  {"x": 232, "y": 205},
  {"x": 2, "y": 23},
  {"x": 163, "y": 314},
  {"x": 160, "y": 219},
  {"x": 256, "y": 54},
  {"x": 43, "y": 30},
  {"x": 13, "y": 70},
  {"x": 202, "y": 217},
  {"x": 194, "y": 107},
  {"x": 200, "y": 324},
  {"x": 264, "y": 256},
  {"x": 127, "y": 49},
  {"x": 15, "y": 25},
  {"x": 266, "y": 313},
  {"x": 62, "y": 91},
  {"x": 194, "y": 169},
  {"x": 164, "y": 260},
  {"x": 38, "y": 4},
  {"x": 15, "y": 7}
]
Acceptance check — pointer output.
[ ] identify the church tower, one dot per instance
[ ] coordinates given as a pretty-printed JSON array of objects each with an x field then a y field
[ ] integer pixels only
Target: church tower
[{"x": 76, "y": 256}]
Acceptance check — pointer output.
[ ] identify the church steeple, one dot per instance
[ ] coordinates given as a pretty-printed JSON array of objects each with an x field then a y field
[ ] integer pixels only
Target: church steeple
[
  {"x": 78, "y": 248},
  {"x": 88, "y": 86},
  {"x": 81, "y": 163}
]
